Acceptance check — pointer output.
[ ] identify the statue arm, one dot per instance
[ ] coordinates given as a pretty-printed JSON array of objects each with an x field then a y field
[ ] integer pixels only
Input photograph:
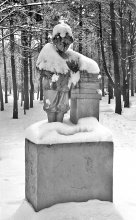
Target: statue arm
[{"x": 46, "y": 74}]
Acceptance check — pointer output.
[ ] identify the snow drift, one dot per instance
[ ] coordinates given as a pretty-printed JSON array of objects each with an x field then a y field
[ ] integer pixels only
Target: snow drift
[{"x": 91, "y": 210}]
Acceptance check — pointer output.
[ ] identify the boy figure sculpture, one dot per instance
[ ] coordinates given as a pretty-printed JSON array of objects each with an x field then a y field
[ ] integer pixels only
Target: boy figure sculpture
[
  {"x": 61, "y": 67},
  {"x": 56, "y": 73}
]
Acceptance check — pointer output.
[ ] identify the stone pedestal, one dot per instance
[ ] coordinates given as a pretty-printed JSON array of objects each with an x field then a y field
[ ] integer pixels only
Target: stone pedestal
[
  {"x": 73, "y": 172},
  {"x": 85, "y": 99}
]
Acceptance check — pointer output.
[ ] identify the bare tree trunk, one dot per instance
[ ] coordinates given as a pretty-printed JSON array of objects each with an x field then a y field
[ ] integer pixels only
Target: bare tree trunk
[
  {"x": 127, "y": 104},
  {"x": 110, "y": 87},
  {"x": 5, "y": 69},
  {"x": 31, "y": 82},
  {"x": 38, "y": 92},
  {"x": 25, "y": 66},
  {"x": 123, "y": 48},
  {"x": 118, "y": 107},
  {"x": 1, "y": 97},
  {"x": 135, "y": 85},
  {"x": 86, "y": 44},
  {"x": 10, "y": 85},
  {"x": 12, "y": 48},
  {"x": 46, "y": 37},
  {"x": 132, "y": 80},
  {"x": 41, "y": 89},
  {"x": 132, "y": 33},
  {"x": 31, "y": 73},
  {"x": 102, "y": 46},
  {"x": 110, "y": 92},
  {"x": 22, "y": 74},
  {"x": 41, "y": 85},
  {"x": 22, "y": 86},
  {"x": 103, "y": 94},
  {"x": 80, "y": 28},
  {"x": 98, "y": 48}
]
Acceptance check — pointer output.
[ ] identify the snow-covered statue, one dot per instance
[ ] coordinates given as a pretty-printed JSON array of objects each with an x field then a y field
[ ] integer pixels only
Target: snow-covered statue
[{"x": 61, "y": 67}]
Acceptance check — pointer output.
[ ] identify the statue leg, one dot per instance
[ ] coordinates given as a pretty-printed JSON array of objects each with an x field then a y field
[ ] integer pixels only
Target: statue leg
[
  {"x": 59, "y": 116},
  {"x": 51, "y": 116},
  {"x": 63, "y": 105},
  {"x": 50, "y": 104}
]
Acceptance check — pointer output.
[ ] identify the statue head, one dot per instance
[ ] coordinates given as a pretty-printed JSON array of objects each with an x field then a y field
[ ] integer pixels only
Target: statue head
[{"x": 62, "y": 37}]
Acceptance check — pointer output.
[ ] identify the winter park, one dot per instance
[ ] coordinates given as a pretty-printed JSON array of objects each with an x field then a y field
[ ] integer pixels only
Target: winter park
[{"x": 67, "y": 110}]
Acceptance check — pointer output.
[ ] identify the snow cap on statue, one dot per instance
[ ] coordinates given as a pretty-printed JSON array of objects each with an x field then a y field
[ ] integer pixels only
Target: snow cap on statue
[{"x": 62, "y": 30}]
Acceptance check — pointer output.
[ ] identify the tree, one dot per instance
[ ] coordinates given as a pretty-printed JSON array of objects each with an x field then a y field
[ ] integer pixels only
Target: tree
[
  {"x": 80, "y": 26},
  {"x": 25, "y": 67},
  {"x": 5, "y": 69},
  {"x": 131, "y": 48},
  {"x": 30, "y": 70},
  {"x": 12, "y": 48},
  {"x": 1, "y": 97},
  {"x": 41, "y": 85},
  {"x": 118, "y": 107},
  {"x": 92, "y": 29},
  {"x": 123, "y": 40},
  {"x": 102, "y": 46}
]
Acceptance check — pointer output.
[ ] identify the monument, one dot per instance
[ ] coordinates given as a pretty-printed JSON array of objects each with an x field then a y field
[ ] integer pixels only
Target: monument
[{"x": 70, "y": 161}]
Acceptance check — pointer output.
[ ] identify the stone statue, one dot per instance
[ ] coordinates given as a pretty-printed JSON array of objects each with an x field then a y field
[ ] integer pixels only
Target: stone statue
[
  {"x": 60, "y": 68},
  {"x": 55, "y": 80}
]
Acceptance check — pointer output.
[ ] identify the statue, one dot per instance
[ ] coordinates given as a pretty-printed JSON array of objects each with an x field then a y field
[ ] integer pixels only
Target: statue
[
  {"x": 55, "y": 80},
  {"x": 60, "y": 68}
]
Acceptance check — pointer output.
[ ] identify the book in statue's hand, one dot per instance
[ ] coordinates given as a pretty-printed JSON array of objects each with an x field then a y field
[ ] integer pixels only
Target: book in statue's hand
[{"x": 73, "y": 65}]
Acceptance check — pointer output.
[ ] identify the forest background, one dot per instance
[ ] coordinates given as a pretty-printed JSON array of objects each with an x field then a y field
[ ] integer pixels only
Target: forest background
[{"x": 103, "y": 30}]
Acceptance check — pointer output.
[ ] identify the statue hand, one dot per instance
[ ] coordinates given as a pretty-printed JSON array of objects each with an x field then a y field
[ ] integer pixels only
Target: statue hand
[
  {"x": 45, "y": 73},
  {"x": 73, "y": 65}
]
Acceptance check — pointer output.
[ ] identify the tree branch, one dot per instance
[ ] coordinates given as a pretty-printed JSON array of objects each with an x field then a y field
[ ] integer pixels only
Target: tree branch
[
  {"x": 32, "y": 4},
  {"x": 6, "y": 16},
  {"x": 3, "y": 3},
  {"x": 8, "y": 35}
]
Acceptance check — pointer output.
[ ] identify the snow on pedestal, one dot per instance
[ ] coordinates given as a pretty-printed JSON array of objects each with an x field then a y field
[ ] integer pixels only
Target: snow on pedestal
[{"x": 68, "y": 163}]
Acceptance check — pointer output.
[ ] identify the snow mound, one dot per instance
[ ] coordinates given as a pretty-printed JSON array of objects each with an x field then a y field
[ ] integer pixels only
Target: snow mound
[
  {"x": 50, "y": 60},
  {"x": 87, "y": 130},
  {"x": 62, "y": 29},
  {"x": 91, "y": 210}
]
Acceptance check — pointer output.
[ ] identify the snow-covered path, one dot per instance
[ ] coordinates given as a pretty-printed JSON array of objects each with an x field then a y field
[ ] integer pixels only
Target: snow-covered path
[
  {"x": 12, "y": 165},
  {"x": 12, "y": 155},
  {"x": 123, "y": 128}
]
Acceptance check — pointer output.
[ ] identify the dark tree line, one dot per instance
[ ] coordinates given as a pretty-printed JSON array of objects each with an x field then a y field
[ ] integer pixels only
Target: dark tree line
[{"x": 103, "y": 30}]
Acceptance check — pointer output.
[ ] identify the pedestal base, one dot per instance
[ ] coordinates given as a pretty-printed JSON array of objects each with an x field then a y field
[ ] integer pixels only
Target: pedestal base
[{"x": 61, "y": 173}]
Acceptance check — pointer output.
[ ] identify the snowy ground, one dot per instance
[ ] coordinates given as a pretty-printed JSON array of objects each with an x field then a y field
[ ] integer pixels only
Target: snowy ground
[{"x": 12, "y": 155}]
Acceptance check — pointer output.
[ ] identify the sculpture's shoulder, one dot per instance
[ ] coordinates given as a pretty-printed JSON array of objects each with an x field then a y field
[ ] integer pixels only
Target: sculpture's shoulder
[
  {"x": 50, "y": 60},
  {"x": 85, "y": 63},
  {"x": 44, "y": 54},
  {"x": 47, "y": 48}
]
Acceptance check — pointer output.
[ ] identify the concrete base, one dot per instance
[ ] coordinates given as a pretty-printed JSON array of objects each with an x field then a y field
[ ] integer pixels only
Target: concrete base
[{"x": 61, "y": 173}]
